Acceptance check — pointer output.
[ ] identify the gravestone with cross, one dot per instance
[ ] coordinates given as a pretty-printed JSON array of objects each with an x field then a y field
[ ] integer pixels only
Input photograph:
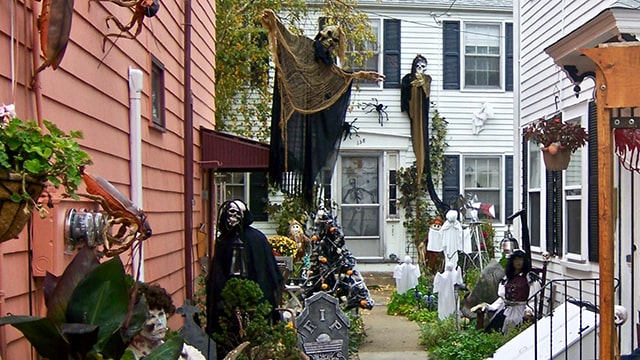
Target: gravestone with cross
[{"x": 323, "y": 329}]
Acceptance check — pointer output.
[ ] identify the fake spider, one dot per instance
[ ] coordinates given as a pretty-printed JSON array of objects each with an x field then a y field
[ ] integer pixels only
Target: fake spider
[
  {"x": 349, "y": 129},
  {"x": 379, "y": 108}
]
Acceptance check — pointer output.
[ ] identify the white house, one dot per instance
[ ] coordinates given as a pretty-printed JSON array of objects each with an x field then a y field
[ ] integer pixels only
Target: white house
[
  {"x": 582, "y": 216},
  {"x": 474, "y": 38}
]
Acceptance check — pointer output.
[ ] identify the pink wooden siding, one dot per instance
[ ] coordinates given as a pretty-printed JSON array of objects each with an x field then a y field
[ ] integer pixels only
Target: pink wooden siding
[{"x": 89, "y": 92}]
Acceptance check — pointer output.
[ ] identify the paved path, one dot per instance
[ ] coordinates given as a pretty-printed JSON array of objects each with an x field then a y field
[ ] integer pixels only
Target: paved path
[{"x": 388, "y": 337}]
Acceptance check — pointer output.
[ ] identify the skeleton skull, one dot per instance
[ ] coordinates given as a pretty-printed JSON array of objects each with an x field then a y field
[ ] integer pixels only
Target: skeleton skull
[
  {"x": 421, "y": 67},
  {"x": 155, "y": 328},
  {"x": 620, "y": 315},
  {"x": 235, "y": 213},
  {"x": 329, "y": 37}
]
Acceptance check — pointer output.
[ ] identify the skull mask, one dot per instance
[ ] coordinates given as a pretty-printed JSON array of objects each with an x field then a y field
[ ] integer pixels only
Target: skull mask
[
  {"x": 155, "y": 328},
  {"x": 329, "y": 37},
  {"x": 235, "y": 213},
  {"x": 421, "y": 67}
]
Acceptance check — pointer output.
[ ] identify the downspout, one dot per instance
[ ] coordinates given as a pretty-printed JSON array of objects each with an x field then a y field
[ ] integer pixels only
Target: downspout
[
  {"x": 3, "y": 337},
  {"x": 135, "y": 149},
  {"x": 37, "y": 91},
  {"x": 188, "y": 154}
]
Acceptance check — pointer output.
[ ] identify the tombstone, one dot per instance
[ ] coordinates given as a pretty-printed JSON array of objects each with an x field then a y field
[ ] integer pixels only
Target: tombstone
[
  {"x": 323, "y": 329},
  {"x": 193, "y": 333}
]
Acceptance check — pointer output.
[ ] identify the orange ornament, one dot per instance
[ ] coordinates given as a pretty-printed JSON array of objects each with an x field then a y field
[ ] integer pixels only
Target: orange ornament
[
  {"x": 332, "y": 229},
  {"x": 349, "y": 272},
  {"x": 325, "y": 286},
  {"x": 363, "y": 303},
  {"x": 323, "y": 259},
  {"x": 314, "y": 238}
]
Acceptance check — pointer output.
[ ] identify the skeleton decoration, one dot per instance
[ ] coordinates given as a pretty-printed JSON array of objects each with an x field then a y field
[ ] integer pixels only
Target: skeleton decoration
[
  {"x": 329, "y": 42},
  {"x": 478, "y": 118}
]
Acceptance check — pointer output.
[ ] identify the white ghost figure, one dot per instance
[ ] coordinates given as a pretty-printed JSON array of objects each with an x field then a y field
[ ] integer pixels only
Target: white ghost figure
[
  {"x": 449, "y": 239},
  {"x": 406, "y": 275},
  {"x": 444, "y": 284},
  {"x": 478, "y": 118}
]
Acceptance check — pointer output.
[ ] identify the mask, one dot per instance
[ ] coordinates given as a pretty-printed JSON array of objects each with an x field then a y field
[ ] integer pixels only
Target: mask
[
  {"x": 235, "y": 212},
  {"x": 421, "y": 67},
  {"x": 155, "y": 328}
]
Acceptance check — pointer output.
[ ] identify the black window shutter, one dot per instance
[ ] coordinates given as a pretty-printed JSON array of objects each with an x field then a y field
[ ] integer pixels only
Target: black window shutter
[
  {"x": 554, "y": 212},
  {"x": 391, "y": 60},
  {"x": 525, "y": 177},
  {"x": 451, "y": 50},
  {"x": 258, "y": 195},
  {"x": 451, "y": 180},
  {"x": 508, "y": 181},
  {"x": 508, "y": 66},
  {"x": 593, "y": 229}
]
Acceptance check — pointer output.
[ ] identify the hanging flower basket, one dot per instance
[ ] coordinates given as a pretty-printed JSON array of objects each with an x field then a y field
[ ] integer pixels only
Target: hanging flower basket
[
  {"x": 14, "y": 215},
  {"x": 557, "y": 159}
]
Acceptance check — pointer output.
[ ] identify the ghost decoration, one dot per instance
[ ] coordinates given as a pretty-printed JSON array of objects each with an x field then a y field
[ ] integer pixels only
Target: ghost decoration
[
  {"x": 406, "y": 275},
  {"x": 479, "y": 117},
  {"x": 444, "y": 284},
  {"x": 449, "y": 239}
]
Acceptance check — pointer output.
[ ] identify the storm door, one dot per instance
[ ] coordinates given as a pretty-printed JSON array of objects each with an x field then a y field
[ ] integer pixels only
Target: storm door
[{"x": 360, "y": 204}]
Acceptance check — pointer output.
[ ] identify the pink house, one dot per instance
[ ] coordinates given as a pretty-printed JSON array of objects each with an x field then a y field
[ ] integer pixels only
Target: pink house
[{"x": 141, "y": 104}]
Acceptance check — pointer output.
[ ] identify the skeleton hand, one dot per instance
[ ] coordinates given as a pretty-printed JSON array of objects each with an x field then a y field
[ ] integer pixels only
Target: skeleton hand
[{"x": 369, "y": 75}]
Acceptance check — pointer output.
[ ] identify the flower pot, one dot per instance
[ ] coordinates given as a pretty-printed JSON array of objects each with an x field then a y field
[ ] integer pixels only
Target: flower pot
[
  {"x": 557, "y": 161},
  {"x": 14, "y": 215}
]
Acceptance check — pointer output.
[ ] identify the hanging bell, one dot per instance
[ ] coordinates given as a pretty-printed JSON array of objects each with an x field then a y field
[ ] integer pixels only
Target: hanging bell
[{"x": 238, "y": 265}]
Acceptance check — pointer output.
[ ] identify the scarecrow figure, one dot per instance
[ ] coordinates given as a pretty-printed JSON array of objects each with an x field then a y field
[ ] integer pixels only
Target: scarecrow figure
[{"x": 310, "y": 100}]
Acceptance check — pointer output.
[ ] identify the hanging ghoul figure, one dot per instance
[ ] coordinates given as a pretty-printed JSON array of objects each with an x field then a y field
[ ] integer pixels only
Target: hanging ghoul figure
[
  {"x": 240, "y": 251},
  {"x": 414, "y": 100}
]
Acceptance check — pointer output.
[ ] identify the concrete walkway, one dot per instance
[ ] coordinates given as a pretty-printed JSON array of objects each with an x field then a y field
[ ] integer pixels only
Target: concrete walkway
[{"x": 388, "y": 337}]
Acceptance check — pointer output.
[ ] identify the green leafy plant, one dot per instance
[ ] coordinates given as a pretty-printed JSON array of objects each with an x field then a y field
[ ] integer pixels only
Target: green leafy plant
[
  {"x": 356, "y": 333},
  {"x": 470, "y": 344},
  {"x": 55, "y": 156},
  {"x": 554, "y": 133},
  {"x": 88, "y": 313},
  {"x": 243, "y": 302}
]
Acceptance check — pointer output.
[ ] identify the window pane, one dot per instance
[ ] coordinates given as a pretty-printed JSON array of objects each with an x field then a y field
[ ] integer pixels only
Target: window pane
[
  {"x": 482, "y": 55},
  {"x": 573, "y": 222},
  {"x": 360, "y": 221},
  {"x": 534, "y": 165},
  {"x": 483, "y": 179},
  {"x": 573, "y": 173},
  {"x": 534, "y": 218}
]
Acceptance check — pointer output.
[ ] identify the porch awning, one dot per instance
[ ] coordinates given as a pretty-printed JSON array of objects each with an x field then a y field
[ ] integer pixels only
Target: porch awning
[
  {"x": 232, "y": 153},
  {"x": 615, "y": 24}
]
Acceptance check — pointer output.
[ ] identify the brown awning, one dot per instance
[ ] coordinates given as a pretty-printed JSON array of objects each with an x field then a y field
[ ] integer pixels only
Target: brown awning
[{"x": 227, "y": 152}]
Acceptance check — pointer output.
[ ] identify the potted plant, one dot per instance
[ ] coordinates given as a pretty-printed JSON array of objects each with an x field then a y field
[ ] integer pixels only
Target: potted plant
[
  {"x": 90, "y": 314},
  {"x": 29, "y": 157},
  {"x": 557, "y": 140}
]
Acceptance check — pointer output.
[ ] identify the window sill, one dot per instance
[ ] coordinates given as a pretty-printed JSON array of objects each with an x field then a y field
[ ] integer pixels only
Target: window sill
[{"x": 576, "y": 263}]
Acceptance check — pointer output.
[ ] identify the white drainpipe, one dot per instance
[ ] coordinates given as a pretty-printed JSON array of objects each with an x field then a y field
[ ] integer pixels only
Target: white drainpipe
[{"x": 135, "y": 141}]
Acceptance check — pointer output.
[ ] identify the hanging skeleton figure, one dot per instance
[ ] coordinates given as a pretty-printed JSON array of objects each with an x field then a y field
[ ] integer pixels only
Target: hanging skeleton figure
[
  {"x": 310, "y": 101},
  {"x": 414, "y": 100},
  {"x": 140, "y": 10},
  {"x": 131, "y": 221},
  {"x": 627, "y": 147},
  {"x": 54, "y": 25}
]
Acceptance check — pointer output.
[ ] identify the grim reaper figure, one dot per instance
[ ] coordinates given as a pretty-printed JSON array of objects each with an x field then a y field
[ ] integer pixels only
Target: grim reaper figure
[
  {"x": 414, "y": 100},
  {"x": 311, "y": 96}
]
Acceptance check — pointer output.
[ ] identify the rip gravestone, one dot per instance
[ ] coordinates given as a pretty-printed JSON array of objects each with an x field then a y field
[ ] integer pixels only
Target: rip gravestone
[{"x": 323, "y": 329}]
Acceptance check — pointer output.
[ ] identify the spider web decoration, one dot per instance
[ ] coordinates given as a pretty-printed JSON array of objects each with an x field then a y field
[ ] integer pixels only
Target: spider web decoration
[{"x": 333, "y": 267}]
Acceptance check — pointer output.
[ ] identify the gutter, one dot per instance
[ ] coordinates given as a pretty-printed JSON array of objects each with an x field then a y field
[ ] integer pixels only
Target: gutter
[
  {"x": 135, "y": 165},
  {"x": 188, "y": 155}
]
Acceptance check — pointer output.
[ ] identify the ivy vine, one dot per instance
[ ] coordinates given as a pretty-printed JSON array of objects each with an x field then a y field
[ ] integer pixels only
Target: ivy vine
[{"x": 419, "y": 209}]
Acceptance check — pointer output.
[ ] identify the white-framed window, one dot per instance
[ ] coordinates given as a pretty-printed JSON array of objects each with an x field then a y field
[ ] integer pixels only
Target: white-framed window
[
  {"x": 535, "y": 196},
  {"x": 483, "y": 55},
  {"x": 483, "y": 178},
  {"x": 373, "y": 62},
  {"x": 574, "y": 216},
  {"x": 392, "y": 191},
  {"x": 248, "y": 187}
]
